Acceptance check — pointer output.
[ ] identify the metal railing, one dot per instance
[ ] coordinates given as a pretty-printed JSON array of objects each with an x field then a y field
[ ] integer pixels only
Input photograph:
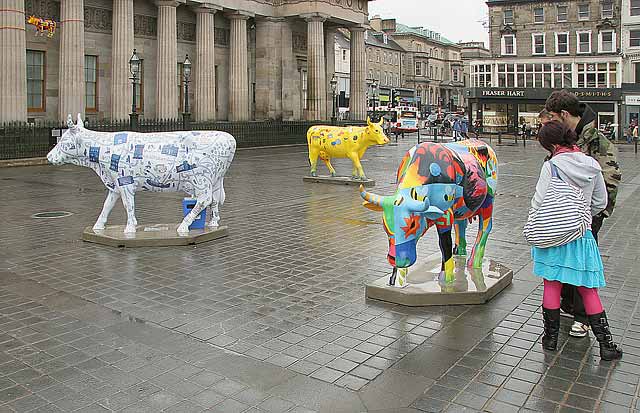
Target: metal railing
[{"x": 21, "y": 140}]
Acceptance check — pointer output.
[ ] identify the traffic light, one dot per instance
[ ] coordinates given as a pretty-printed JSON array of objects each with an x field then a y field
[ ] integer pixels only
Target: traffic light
[{"x": 393, "y": 98}]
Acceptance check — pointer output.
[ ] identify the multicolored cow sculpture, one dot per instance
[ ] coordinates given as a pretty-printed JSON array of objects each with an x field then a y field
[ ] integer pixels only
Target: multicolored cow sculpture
[
  {"x": 343, "y": 142},
  {"x": 43, "y": 24},
  {"x": 441, "y": 185},
  {"x": 126, "y": 162}
]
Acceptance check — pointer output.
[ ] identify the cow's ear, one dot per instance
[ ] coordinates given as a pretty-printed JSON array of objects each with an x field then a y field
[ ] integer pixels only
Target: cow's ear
[{"x": 372, "y": 206}]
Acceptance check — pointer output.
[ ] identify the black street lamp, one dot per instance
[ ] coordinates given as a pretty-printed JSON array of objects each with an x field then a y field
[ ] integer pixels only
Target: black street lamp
[
  {"x": 334, "y": 84},
  {"x": 374, "y": 87},
  {"x": 134, "y": 68},
  {"x": 186, "y": 73}
]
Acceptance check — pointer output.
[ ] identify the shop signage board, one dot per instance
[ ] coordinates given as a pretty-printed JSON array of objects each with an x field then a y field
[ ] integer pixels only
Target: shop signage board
[{"x": 541, "y": 94}]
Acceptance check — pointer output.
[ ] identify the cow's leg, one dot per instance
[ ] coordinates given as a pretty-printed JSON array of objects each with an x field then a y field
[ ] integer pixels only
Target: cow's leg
[
  {"x": 112, "y": 197},
  {"x": 485, "y": 224},
  {"x": 313, "y": 159},
  {"x": 217, "y": 200},
  {"x": 327, "y": 161},
  {"x": 357, "y": 167},
  {"x": 203, "y": 200},
  {"x": 446, "y": 248},
  {"x": 461, "y": 242},
  {"x": 128, "y": 201}
]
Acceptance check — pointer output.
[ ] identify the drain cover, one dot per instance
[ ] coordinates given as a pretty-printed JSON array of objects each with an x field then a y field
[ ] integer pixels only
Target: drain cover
[{"x": 52, "y": 214}]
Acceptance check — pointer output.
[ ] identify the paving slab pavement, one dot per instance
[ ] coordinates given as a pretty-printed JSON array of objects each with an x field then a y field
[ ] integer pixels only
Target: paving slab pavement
[{"x": 273, "y": 318}]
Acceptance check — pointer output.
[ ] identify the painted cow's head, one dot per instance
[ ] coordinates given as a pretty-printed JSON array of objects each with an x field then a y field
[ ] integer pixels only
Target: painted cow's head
[
  {"x": 67, "y": 149},
  {"x": 427, "y": 190},
  {"x": 373, "y": 133}
]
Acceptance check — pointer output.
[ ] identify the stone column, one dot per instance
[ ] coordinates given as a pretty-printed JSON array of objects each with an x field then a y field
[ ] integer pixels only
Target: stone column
[
  {"x": 167, "y": 61},
  {"x": 205, "y": 67},
  {"x": 358, "y": 86},
  {"x": 269, "y": 68},
  {"x": 239, "y": 68},
  {"x": 13, "y": 61},
  {"x": 121, "y": 51},
  {"x": 330, "y": 55},
  {"x": 316, "y": 67},
  {"x": 71, "y": 66},
  {"x": 291, "y": 88}
]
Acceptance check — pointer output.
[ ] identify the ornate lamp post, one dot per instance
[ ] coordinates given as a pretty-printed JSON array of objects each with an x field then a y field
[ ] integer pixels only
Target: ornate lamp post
[
  {"x": 134, "y": 68},
  {"x": 186, "y": 73},
  {"x": 334, "y": 84}
]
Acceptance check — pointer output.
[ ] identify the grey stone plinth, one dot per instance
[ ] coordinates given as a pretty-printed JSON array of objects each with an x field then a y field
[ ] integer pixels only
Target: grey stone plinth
[
  {"x": 154, "y": 235},
  {"x": 339, "y": 180},
  {"x": 425, "y": 286}
]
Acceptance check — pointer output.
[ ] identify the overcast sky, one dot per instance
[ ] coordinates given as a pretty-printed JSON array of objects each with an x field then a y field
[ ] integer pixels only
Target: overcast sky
[{"x": 457, "y": 20}]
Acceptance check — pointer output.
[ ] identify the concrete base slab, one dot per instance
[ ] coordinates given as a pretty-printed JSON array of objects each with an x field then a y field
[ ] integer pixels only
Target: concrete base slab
[
  {"x": 153, "y": 235},
  {"x": 427, "y": 287},
  {"x": 339, "y": 180}
]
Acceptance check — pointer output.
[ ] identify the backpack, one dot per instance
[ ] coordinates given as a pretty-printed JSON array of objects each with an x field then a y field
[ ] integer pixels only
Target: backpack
[{"x": 563, "y": 216}]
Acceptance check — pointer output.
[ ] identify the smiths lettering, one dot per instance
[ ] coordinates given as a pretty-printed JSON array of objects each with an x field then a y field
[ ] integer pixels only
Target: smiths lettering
[{"x": 593, "y": 94}]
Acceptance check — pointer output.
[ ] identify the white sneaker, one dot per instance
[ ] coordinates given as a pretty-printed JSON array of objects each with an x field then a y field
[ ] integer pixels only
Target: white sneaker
[{"x": 579, "y": 330}]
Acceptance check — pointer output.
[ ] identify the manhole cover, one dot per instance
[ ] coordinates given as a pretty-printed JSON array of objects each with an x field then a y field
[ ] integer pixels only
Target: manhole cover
[{"x": 52, "y": 214}]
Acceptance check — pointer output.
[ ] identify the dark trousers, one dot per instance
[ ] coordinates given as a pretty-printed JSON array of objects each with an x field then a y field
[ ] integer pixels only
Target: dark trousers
[{"x": 571, "y": 301}]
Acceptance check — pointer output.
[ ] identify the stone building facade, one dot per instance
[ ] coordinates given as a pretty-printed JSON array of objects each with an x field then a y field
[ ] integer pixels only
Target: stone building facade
[
  {"x": 538, "y": 46},
  {"x": 384, "y": 67},
  {"x": 471, "y": 51},
  {"x": 252, "y": 59},
  {"x": 432, "y": 65}
]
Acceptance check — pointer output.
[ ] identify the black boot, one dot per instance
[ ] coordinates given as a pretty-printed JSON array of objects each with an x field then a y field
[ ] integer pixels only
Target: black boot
[
  {"x": 551, "y": 328},
  {"x": 600, "y": 328}
]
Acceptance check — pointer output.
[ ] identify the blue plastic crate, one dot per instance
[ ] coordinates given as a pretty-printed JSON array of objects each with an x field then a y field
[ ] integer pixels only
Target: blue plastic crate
[{"x": 200, "y": 221}]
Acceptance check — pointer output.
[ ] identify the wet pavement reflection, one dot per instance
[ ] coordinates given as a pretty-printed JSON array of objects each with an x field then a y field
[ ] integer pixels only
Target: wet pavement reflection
[{"x": 274, "y": 316}]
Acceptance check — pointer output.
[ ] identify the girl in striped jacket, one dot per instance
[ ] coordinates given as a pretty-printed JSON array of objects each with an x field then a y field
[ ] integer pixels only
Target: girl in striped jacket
[{"x": 578, "y": 262}]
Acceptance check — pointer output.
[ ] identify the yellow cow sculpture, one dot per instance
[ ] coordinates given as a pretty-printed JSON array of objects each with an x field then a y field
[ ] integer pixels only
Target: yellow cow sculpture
[{"x": 350, "y": 142}]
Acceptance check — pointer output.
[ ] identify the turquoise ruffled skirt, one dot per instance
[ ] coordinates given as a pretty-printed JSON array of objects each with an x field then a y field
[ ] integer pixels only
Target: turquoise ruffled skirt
[{"x": 577, "y": 263}]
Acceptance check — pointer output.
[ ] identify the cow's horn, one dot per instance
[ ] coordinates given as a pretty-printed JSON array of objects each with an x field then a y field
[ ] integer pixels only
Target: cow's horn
[
  {"x": 80, "y": 123},
  {"x": 370, "y": 197}
]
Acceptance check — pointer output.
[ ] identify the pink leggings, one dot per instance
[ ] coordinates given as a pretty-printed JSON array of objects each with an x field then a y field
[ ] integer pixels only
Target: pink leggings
[{"x": 590, "y": 297}]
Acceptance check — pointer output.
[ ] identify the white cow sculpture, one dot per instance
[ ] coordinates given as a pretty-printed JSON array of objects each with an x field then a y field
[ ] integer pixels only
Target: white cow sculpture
[{"x": 191, "y": 162}]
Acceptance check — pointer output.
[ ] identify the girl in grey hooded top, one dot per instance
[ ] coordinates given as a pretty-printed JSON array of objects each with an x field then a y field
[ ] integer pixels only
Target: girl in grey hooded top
[
  {"x": 578, "y": 262},
  {"x": 579, "y": 170}
]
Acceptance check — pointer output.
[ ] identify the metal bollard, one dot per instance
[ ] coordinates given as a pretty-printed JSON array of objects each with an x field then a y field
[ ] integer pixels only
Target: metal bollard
[
  {"x": 418, "y": 135},
  {"x": 636, "y": 145},
  {"x": 435, "y": 134},
  {"x": 499, "y": 138},
  {"x": 524, "y": 141}
]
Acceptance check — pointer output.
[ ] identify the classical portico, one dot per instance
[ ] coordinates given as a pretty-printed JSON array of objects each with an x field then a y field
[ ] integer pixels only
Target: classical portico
[{"x": 268, "y": 60}]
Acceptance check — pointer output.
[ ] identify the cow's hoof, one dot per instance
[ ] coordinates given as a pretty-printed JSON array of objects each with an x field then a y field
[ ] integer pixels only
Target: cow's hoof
[
  {"x": 213, "y": 225},
  {"x": 314, "y": 175},
  {"x": 130, "y": 229},
  {"x": 183, "y": 229},
  {"x": 98, "y": 227}
]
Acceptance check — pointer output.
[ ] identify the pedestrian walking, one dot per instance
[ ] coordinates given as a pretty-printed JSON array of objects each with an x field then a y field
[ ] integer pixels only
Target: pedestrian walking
[
  {"x": 456, "y": 129},
  {"x": 566, "y": 107},
  {"x": 577, "y": 262}
]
